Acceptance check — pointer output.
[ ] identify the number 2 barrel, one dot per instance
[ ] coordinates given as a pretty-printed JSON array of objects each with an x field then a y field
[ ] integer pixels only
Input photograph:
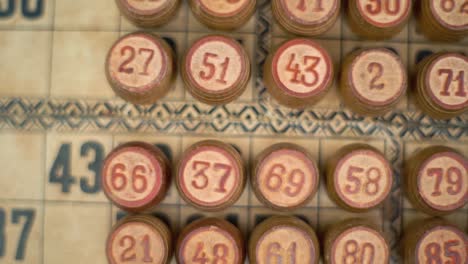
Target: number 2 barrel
[
  {"x": 135, "y": 176},
  {"x": 373, "y": 81},
  {"x": 359, "y": 177},
  {"x": 211, "y": 175},
  {"x": 140, "y": 68},
  {"x": 139, "y": 239},
  {"x": 210, "y": 240},
  {"x": 436, "y": 180},
  {"x": 283, "y": 239},
  {"x": 442, "y": 85}
]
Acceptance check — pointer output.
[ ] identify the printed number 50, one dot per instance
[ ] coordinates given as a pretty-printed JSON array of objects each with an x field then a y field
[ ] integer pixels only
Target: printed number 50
[{"x": 29, "y": 8}]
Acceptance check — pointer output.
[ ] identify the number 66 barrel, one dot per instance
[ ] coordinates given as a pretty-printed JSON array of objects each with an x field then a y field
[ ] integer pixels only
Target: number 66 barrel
[
  {"x": 135, "y": 176},
  {"x": 436, "y": 180}
]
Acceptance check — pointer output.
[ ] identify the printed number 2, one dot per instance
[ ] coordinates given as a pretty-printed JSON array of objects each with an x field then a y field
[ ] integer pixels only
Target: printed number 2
[
  {"x": 28, "y": 9},
  {"x": 16, "y": 216},
  {"x": 60, "y": 172}
]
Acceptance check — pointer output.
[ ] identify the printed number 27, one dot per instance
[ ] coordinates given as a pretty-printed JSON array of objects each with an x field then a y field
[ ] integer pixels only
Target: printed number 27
[
  {"x": 60, "y": 172},
  {"x": 29, "y": 8},
  {"x": 16, "y": 216}
]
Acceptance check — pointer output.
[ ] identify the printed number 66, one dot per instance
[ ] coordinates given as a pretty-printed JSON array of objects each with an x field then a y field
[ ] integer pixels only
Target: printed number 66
[{"x": 29, "y": 8}]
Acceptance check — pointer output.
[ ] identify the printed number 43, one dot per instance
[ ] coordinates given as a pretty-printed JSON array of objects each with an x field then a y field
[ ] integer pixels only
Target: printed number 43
[{"x": 60, "y": 172}]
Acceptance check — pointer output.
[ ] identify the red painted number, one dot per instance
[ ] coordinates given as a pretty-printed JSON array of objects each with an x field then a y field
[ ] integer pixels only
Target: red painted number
[
  {"x": 433, "y": 252},
  {"x": 378, "y": 69},
  {"x": 389, "y": 7},
  {"x": 125, "y": 68},
  {"x": 371, "y": 187},
  {"x": 453, "y": 176},
  {"x": 358, "y": 254},
  {"x": 129, "y": 253},
  {"x": 275, "y": 253},
  {"x": 301, "y": 6},
  {"x": 274, "y": 180},
  {"x": 138, "y": 178},
  {"x": 311, "y": 63},
  {"x": 202, "y": 180},
  {"x": 220, "y": 253},
  {"x": 450, "y": 5},
  {"x": 211, "y": 68},
  {"x": 460, "y": 79}
]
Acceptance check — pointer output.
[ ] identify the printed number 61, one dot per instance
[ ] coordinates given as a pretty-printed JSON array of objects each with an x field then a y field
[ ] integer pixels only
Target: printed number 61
[{"x": 29, "y": 8}]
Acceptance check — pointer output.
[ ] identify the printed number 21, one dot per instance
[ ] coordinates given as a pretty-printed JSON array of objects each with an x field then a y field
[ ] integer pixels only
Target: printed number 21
[
  {"x": 28, "y": 8},
  {"x": 16, "y": 216},
  {"x": 60, "y": 172}
]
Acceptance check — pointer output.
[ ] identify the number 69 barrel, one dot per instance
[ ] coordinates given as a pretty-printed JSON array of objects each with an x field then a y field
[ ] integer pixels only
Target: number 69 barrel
[
  {"x": 285, "y": 176},
  {"x": 442, "y": 85},
  {"x": 135, "y": 176},
  {"x": 359, "y": 177},
  {"x": 210, "y": 175},
  {"x": 436, "y": 180}
]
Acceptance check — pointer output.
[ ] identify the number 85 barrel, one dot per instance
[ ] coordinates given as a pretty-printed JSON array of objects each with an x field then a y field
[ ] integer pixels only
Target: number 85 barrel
[
  {"x": 442, "y": 85},
  {"x": 436, "y": 180}
]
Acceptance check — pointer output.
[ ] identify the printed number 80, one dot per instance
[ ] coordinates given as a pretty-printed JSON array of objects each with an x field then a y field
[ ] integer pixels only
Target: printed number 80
[{"x": 29, "y": 8}]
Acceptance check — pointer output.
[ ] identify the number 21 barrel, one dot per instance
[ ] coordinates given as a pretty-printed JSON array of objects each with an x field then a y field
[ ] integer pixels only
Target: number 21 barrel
[
  {"x": 135, "y": 176},
  {"x": 442, "y": 85},
  {"x": 359, "y": 177},
  {"x": 283, "y": 239},
  {"x": 216, "y": 69},
  {"x": 298, "y": 73},
  {"x": 139, "y": 239},
  {"x": 436, "y": 180},
  {"x": 434, "y": 241},
  {"x": 211, "y": 175},
  {"x": 210, "y": 240},
  {"x": 140, "y": 68}
]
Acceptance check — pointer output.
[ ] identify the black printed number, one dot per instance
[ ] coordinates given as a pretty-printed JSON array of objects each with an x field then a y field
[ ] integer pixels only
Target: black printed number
[
  {"x": 18, "y": 216},
  {"x": 60, "y": 173},
  {"x": 29, "y": 8}
]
